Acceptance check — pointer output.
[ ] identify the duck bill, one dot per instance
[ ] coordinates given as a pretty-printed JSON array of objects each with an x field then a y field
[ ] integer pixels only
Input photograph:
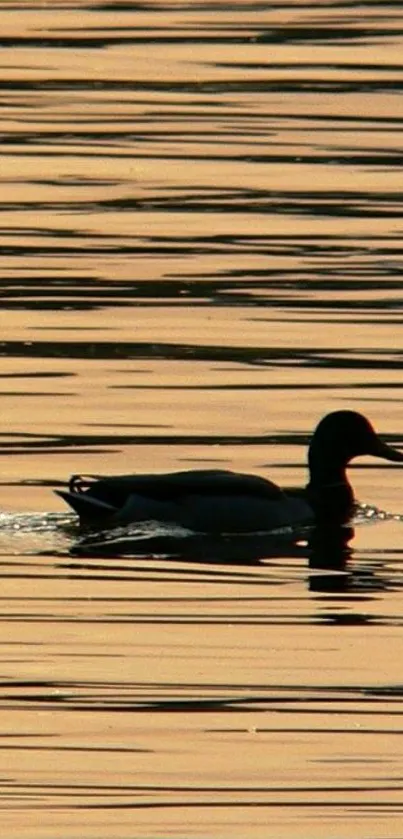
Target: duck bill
[{"x": 387, "y": 453}]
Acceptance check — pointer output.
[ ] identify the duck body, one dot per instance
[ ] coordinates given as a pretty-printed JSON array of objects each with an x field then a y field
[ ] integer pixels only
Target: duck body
[
  {"x": 214, "y": 501},
  {"x": 218, "y": 501}
]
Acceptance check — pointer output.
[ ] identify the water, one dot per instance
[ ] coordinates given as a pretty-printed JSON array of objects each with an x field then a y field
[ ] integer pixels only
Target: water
[{"x": 201, "y": 225}]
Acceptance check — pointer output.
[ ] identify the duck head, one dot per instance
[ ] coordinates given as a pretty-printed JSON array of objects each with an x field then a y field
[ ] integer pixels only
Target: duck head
[{"x": 339, "y": 437}]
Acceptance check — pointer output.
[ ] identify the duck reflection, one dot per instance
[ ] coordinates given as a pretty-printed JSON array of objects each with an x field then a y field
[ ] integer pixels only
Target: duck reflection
[
  {"x": 239, "y": 549},
  {"x": 326, "y": 550}
]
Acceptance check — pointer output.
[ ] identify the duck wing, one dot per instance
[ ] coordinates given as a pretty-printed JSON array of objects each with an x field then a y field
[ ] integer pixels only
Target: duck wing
[{"x": 172, "y": 486}]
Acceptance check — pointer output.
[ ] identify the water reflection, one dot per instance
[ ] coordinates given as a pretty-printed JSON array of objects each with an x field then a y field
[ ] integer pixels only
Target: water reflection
[
  {"x": 326, "y": 552},
  {"x": 332, "y": 357},
  {"x": 239, "y": 288}
]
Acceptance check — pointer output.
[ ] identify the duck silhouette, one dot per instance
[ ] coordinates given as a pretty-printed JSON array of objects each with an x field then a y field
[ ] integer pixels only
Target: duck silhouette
[{"x": 219, "y": 501}]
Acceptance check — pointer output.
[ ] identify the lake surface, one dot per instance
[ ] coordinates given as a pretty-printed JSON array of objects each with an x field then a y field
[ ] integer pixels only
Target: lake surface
[{"x": 201, "y": 254}]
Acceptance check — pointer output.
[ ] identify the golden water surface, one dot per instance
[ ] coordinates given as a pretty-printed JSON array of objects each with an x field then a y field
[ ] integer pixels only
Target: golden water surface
[{"x": 200, "y": 255}]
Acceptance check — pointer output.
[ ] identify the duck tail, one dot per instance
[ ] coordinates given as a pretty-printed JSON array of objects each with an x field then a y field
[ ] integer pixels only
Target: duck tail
[{"x": 89, "y": 509}]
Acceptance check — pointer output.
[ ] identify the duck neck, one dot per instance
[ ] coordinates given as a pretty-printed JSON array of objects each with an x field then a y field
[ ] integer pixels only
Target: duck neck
[
  {"x": 329, "y": 492},
  {"x": 323, "y": 475}
]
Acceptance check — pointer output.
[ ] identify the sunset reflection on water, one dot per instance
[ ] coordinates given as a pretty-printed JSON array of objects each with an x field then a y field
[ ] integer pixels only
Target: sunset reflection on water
[{"x": 200, "y": 256}]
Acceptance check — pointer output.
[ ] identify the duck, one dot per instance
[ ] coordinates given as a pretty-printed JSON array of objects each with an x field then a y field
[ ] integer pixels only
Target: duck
[{"x": 220, "y": 501}]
